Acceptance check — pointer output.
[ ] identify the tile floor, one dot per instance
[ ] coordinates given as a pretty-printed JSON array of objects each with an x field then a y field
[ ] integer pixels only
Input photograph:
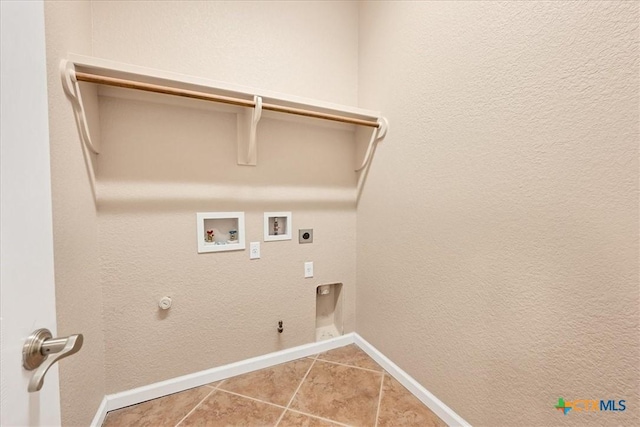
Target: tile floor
[{"x": 341, "y": 387}]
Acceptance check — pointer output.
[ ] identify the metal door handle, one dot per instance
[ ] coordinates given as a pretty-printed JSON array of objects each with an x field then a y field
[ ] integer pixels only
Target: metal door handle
[{"x": 41, "y": 351}]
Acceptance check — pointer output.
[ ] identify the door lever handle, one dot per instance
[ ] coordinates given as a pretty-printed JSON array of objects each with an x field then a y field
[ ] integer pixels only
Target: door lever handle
[{"x": 41, "y": 351}]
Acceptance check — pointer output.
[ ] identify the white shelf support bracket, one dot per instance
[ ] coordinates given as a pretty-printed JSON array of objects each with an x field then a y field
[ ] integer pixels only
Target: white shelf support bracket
[
  {"x": 247, "y": 134},
  {"x": 377, "y": 135},
  {"x": 71, "y": 88}
]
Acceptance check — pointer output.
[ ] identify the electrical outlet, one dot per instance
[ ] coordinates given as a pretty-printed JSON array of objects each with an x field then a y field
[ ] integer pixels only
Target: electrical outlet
[
  {"x": 308, "y": 269},
  {"x": 254, "y": 250},
  {"x": 305, "y": 235}
]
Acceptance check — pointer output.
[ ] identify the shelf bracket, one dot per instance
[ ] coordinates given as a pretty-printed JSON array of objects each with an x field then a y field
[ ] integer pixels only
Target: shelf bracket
[
  {"x": 81, "y": 110},
  {"x": 377, "y": 135},
  {"x": 247, "y": 124}
]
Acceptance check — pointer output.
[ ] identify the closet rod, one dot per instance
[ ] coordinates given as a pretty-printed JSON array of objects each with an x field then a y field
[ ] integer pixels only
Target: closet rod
[{"x": 130, "y": 84}]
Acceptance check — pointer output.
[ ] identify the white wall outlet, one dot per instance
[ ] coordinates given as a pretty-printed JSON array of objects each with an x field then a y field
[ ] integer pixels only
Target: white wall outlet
[
  {"x": 308, "y": 269},
  {"x": 254, "y": 250}
]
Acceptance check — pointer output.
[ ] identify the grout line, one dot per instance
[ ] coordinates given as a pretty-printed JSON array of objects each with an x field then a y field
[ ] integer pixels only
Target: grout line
[
  {"x": 251, "y": 398},
  {"x": 294, "y": 393},
  {"x": 287, "y": 408},
  {"x": 352, "y": 366},
  {"x": 300, "y": 385},
  {"x": 215, "y": 386},
  {"x": 195, "y": 407},
  {"x": 379, "y": 400},
  {"x": 319, "y": 418}
]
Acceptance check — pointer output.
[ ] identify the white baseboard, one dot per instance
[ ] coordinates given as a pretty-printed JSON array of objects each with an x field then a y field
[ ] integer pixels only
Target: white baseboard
[
  {"x": 436, "y": 405},
  {"x": 185, "y": 382},
  {"x": 98, "y": 419}
]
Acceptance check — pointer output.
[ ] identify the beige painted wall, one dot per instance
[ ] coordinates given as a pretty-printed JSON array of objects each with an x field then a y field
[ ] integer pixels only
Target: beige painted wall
[
  {"x": 512, "y": 279},
  {"x": 304, "y": 48},
  {"x": 165, "y": 160},
  {"x": 225, "y": 306},
  {"x": 78, "y": 290},
  {"x": 510, "y": 176}
]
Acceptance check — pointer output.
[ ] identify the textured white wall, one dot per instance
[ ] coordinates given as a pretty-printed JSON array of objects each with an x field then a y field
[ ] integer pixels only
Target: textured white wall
[
  {"x": 76, "y": 252},
  {"x": 510, "y": 175},
  {"x": 226, "y": 307}
]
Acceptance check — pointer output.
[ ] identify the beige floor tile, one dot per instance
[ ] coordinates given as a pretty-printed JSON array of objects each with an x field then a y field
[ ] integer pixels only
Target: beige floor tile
[
  {"x": 293, "y": 419},
  {"x": 225, "y": 409},
  {"x": 398, "y": 407},
  {"x": 165, "y": 411},
  {"x": 274, "y": 385},
  {"x": 350, "y": 355},
  {"x": 340, "y": 393}
]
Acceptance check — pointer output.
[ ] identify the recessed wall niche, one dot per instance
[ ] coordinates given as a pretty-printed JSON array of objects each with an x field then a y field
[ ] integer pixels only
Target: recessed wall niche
[
  {"x": 329, "y": 321},
  {"x": 220, "y": 231},
  {"x": 277, "y": 226}
]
